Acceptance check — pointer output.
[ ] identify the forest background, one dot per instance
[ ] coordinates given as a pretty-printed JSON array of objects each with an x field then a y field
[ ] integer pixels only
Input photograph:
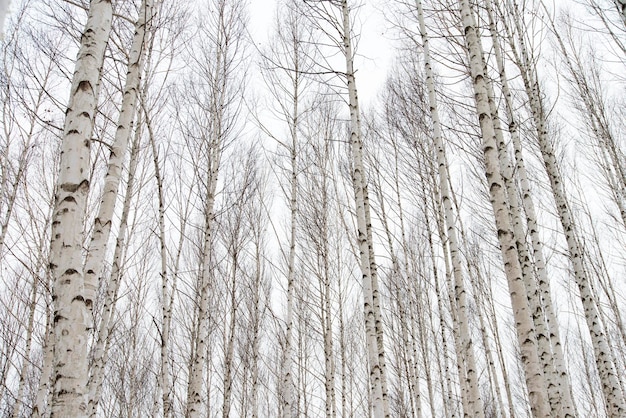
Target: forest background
[{"x": 215, "y": 225}]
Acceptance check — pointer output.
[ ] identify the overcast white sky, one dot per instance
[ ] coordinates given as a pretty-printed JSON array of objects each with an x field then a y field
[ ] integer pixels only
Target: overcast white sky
[
  {"x": 4, "y": 7},
  {"x": 375, "y": 53}
]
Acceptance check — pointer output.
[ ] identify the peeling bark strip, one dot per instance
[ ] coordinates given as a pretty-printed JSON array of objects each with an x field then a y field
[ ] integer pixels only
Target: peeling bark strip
[
  {"x": 521, "y": 311},
  {"x": 72, "y": 321}
]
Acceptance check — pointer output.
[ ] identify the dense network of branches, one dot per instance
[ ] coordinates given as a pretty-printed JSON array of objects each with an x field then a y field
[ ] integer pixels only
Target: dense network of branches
[{"x": 201, "y": 216}]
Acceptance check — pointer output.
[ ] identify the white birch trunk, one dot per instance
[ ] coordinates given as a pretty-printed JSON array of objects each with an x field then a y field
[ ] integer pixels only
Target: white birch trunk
[
  {"x": 380, "y": 407},
  {"x": 230, "y": 344},
  {"x": 195, "y": 393},
  {"x": 542, "y": 333},
  {"x": 100, "y": 351},
  {"x": 547, "y": 330},
  {"x": 474, "y": 401},
  {"x": 167, "y": 294},
  {"x": 401, "y": 290},
  {"x": 72, "y": 320},
  {"x": 194, "y": 390},
  {"x": 613, "y": 396},
  {"x": 257, "y": 322},
  {"x": 491, "y": 364},
  {"x": 452, "y": 300},
  {"x": 26, "y": 361},
  {"x": 523, "y": 319},
  {"x": 327, "y": 322},
  {"x": 43, "y": 390},
  {"x": 287, "y": 380},
  {"x": 103, "y": 221},
  {"x": 102, "y": 224}
]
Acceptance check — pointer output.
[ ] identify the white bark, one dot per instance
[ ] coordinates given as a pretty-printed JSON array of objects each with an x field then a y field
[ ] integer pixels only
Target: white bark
[
  {"x": 400, "y": 290},
  {"x": 101, "y": 348},
  {"x": 491, "y": 369},
  {"x": 288, "y": 387},
  {"x": 613, "y": 396},
  {"x": 43, "y": 390},
  {"x": 474, "y": 401},
  {"x": 94, "y": 264},
  {"x": 167, "y": 294},
  {"x": 258, "y": 314},
  {"x": 222, "y": 50},
  {"x": 547, "y": 329},
  {"x": 72, "y": 320},
  {"x": 26, "y": 360},
  {"x": 194, "y": 390},
  {"x": 523, "y": 319},
  {"x": 375, "y": 355}
]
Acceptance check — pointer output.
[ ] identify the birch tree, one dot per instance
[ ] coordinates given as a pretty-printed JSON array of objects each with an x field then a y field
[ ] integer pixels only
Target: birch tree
[
  {"x": 286, "y": 67},
  {"x": 613, "y": 396},
  {"x": 548, "y": 333},
  {"x": 215, "y": 102},
  {"x": 474, "y": 402},
  {"x": 523, "y": 319},
  {"x": 103, "y": 221},
  {"x": 334, "y": 18},
  {"x": 71, "y": 311}
]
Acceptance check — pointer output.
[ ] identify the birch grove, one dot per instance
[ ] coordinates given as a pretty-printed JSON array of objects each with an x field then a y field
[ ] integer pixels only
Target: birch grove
[{"x": 339, "y": 208}]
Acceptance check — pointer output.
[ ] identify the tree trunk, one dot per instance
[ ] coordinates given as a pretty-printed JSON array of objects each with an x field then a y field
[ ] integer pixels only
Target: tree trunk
[
  {"x": 72, "y": 320},
  {"x": 474, "y": 401},
  {"x": 613, "y": 397},
  {"x": 523, "y": 319},
  {"x": 547, "y": 329},
  {"x": 100, "y": 351},
  {"x": 94, "y": 264},
  {"x": 373, "y": 324}
]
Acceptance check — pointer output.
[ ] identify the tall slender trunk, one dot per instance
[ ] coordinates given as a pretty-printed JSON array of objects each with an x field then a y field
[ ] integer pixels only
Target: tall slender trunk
[
  {"x": 474, "y": 401},
  {"x": 400, "y": 288},
  {"x": 287, "y": 383},
  {"x": 257, "y": 323},
  {"x": 199, "y": 351},
  {"x": 544, "y": 349},
  {"x": 613, "y": 396},
  {"x": 327, "y": 313},
  {"x": 524, "y": 326},
  {"x": 214, "y": 146},
  {"x": 373, "y": 322},
  {"x": 100, "y": 351},
  {"x": 94, "y": 264},
  {"x": 26, "y": 361},
  {"x": 547, "y": 327},
  {"x": 42, "y": 399},
  {"x": 229, "y": 349},
  {"x": 495, "y": 385},
  {"x": 167, "y": 294},
  {"x": 72, "y": 320}
]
